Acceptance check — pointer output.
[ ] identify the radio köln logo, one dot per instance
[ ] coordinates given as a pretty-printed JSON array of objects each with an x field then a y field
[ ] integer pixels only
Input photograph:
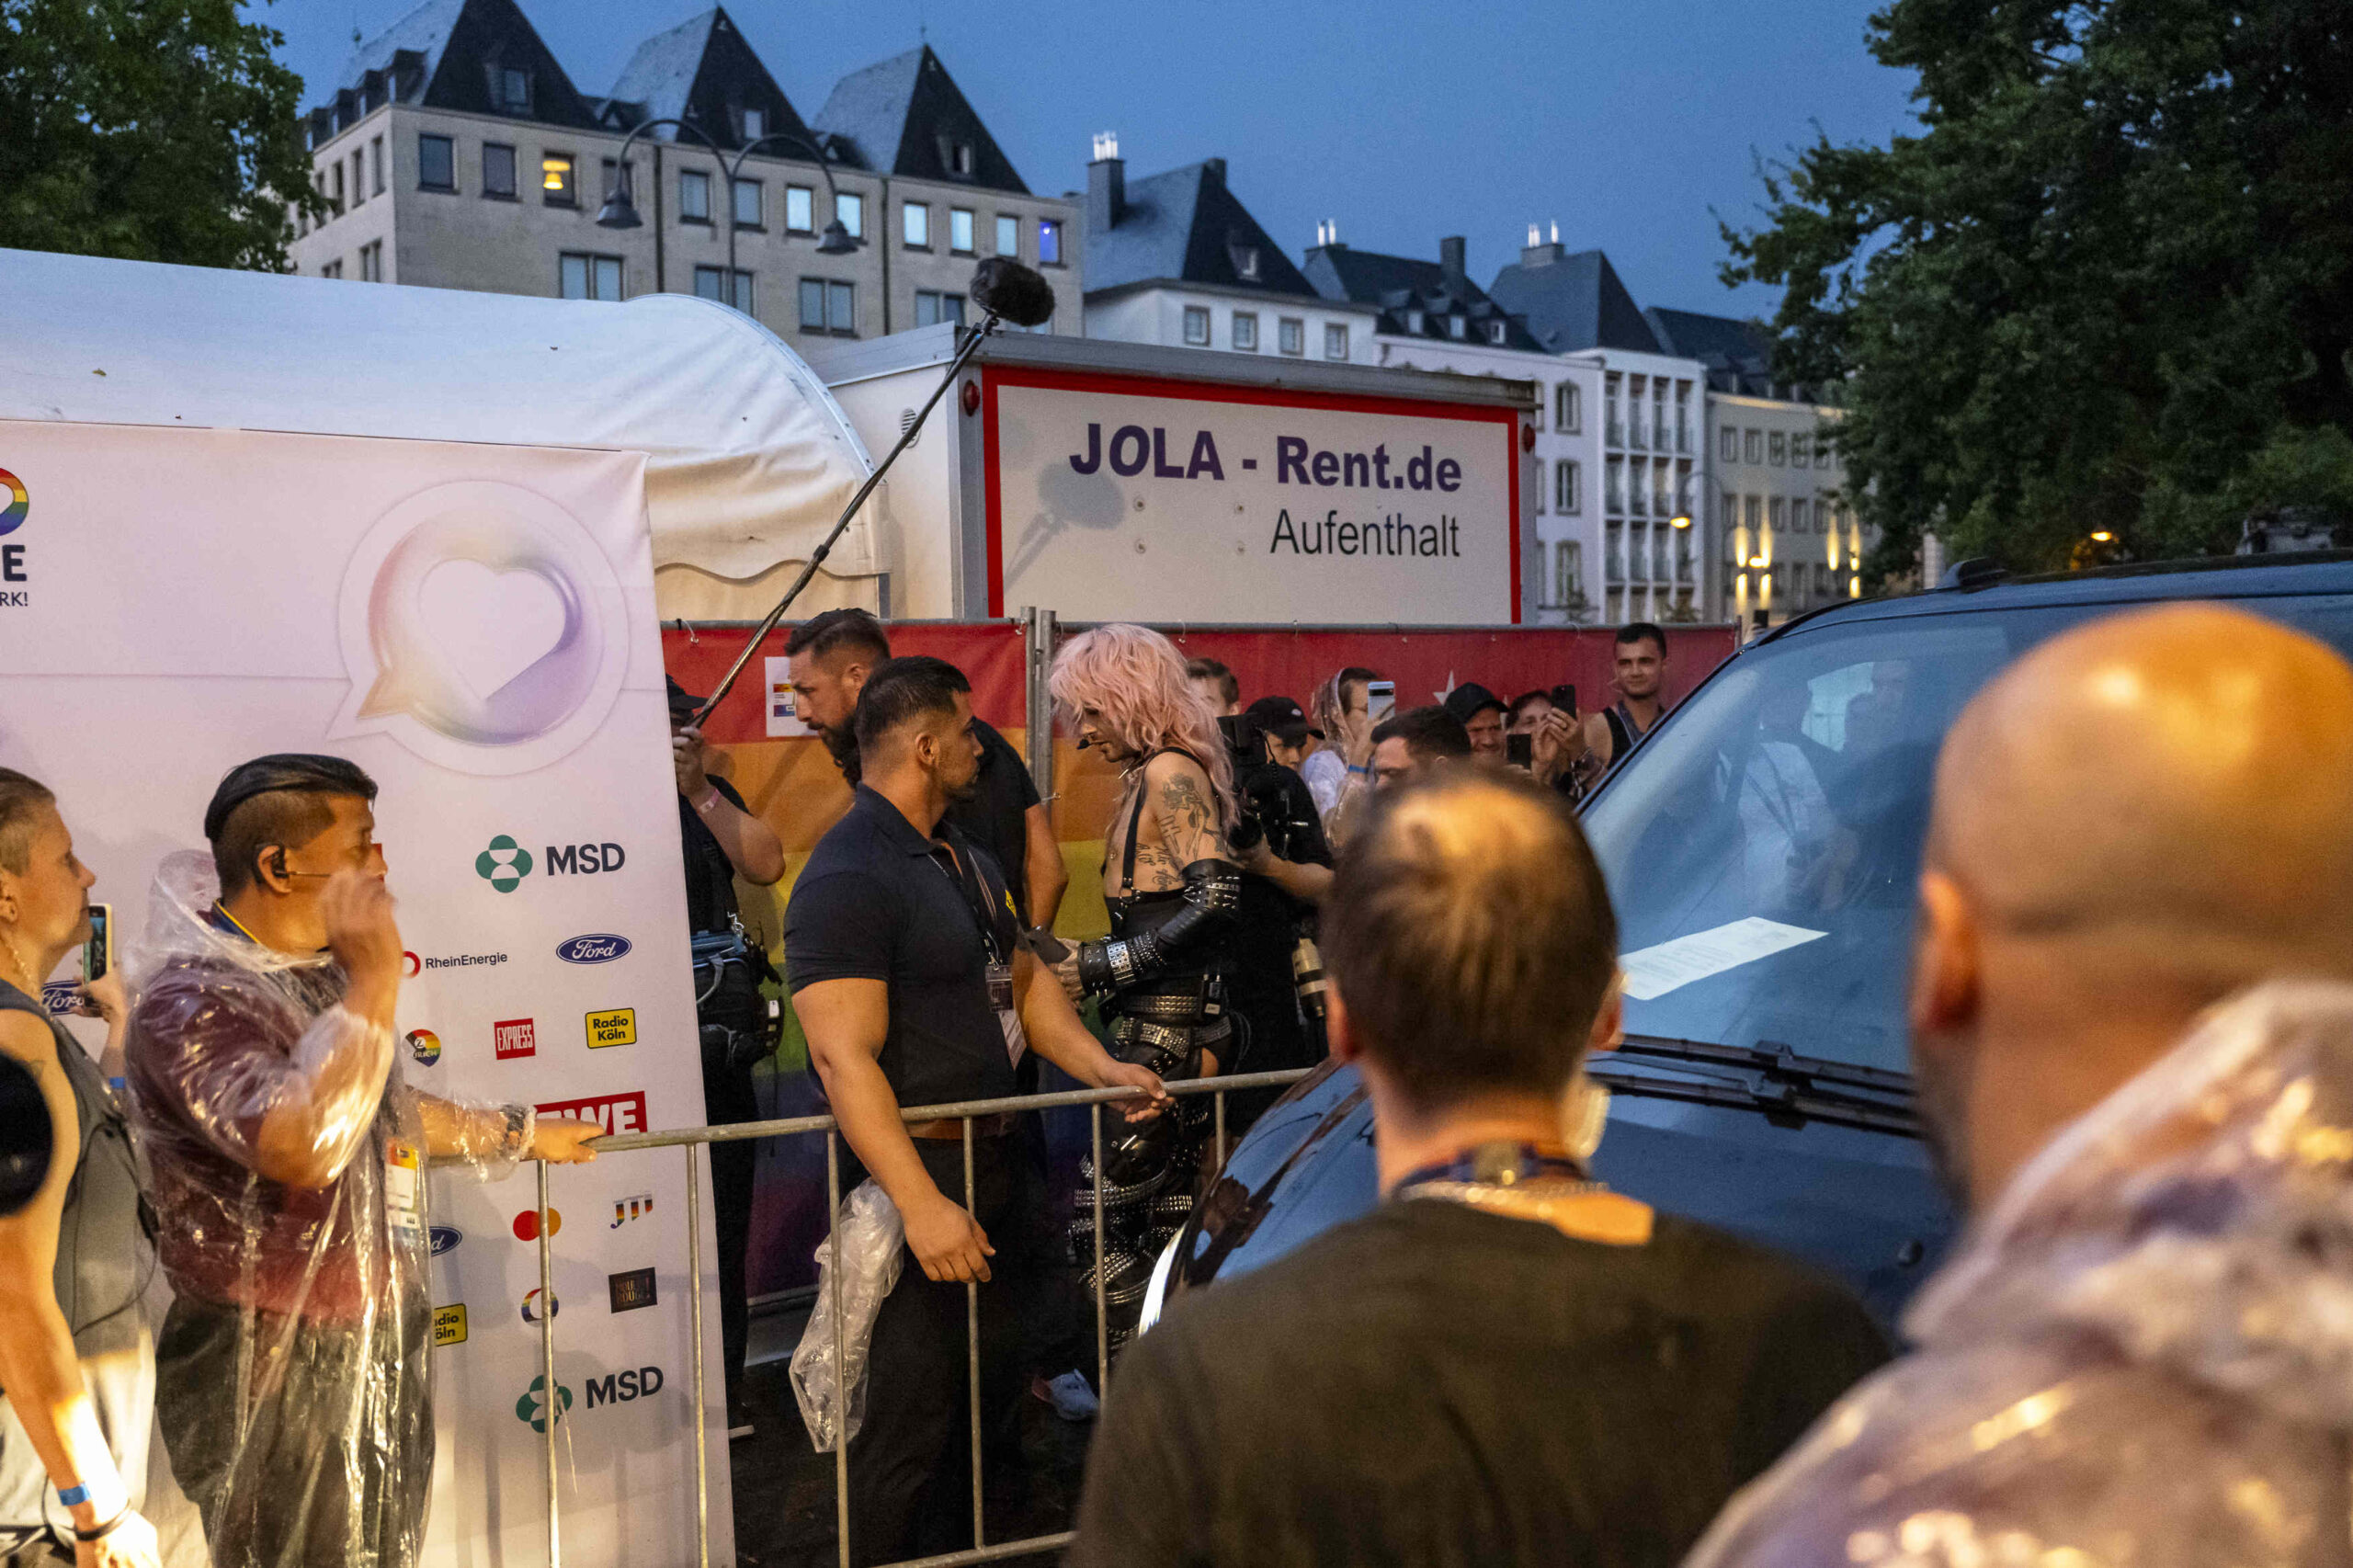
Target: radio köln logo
[
  {"x": 598, "y": 946},
  {"x": 511, "y": 1038}
]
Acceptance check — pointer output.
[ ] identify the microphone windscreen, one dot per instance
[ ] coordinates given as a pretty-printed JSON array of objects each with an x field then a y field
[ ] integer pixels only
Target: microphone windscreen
[{"x": 1012, "y": 291}]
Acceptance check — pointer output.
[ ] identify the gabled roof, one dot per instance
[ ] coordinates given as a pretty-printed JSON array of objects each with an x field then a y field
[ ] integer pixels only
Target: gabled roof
[
  {"x": 703, "y": 71},
  {"x": 1574, "y": 302},
  {"x": 444, "y": 54},
  {"x": 425, "y": 32},
  {"x": 1185, "y": 226},
  {"x": 1401, "y": 286},
  {"x": 1738, "y": 354},
  {"x": 906, "y": 115}
]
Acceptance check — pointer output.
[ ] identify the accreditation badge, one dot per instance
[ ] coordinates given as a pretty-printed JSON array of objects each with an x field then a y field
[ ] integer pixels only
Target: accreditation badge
[
  {"x": 403, "y": 1191},
  {"x": 1008, "y": 1018}
]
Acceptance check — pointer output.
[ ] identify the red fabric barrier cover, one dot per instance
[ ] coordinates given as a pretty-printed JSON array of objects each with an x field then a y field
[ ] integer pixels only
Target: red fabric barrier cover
[{"x": 989, "y": 653}]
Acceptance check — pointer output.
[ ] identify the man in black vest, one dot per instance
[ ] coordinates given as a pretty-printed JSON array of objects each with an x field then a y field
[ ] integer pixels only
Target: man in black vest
[{"x": 722, "y": 840}]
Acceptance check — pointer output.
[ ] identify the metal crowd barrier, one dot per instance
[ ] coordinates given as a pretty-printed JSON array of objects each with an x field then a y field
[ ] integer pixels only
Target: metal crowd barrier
[{"x": 964, "y": 1111}]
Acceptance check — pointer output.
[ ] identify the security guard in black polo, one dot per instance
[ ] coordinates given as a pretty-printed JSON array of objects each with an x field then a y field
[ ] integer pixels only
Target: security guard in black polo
[{"x": 913, "y": 991}]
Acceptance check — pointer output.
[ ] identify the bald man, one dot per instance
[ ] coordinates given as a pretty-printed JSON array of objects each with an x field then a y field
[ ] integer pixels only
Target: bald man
[{"x": 2132, "y": 1028}]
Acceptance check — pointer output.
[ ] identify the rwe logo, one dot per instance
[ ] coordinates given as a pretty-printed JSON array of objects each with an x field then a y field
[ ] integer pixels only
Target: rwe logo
[{"x": 615, "y": 1113}]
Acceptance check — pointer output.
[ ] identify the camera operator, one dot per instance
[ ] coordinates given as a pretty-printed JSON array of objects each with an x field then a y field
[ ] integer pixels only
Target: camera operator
[{"x": 1278, "y": 842}]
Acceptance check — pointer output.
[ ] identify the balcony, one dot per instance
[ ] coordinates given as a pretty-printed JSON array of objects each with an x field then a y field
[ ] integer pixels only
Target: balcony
[
  {"x": 1683, "y": 436},
  {"x": 1614, "y": 431},
  {"x": 1683, "y": 565}
]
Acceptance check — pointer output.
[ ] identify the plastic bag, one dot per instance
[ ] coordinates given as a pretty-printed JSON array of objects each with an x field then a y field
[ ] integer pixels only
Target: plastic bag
[
  {"x": 873, "y": 1244},
  {"x": 2143, "y": 1354},
  {"x": 293, "y": 1383}
]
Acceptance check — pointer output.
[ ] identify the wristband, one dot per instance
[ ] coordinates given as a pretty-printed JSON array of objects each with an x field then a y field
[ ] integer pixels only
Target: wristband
[
  {"x": 1361, "y": 772},
  {"x": 74, "y": 1496},
  {"x": 710, "y": 797},
  {"x": 102, "y": 1531}
]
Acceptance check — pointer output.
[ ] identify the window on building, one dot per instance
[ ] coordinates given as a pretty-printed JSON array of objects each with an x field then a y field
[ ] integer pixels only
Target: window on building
[
  {"x": 694, "y": 196},
  {"x": 851, "y": 208},
  {"x": 1245, "y": 262},
  {"x": 371, "y": 262},
  {"x": 1050, "y": 241},
  {"x": 335, "y": 183},
  {"x": 1568, "y": 487},
  {"x": 1683, "y": 416},
  {"x": 1245, "y": 331},
  {"x": 932, "y": 307},
  {"x": 331, "y": 269},
  {"x": 1638, "y": 488},
  {"x": 1613, "y": 486},
  {"x": 755, "y": 125},
  {"x": 582, "y": 276},
  {"x": 1568, "y": 408},
  {"x": 1613, "y": 428},
  {"x": 1754, "y": 506},
  {"x": 751, "y": 204},
  {"x": 1197, "y": 325},
  {"x": 376, "y": 167},
  {"x": 1774, "y": 510},
  {"x": 710, "y": 283},
  {"x": 961, "y": 160},
  {"x": 1800, "y": 449},
  {"x": 960, "y": 229},
  {"x": 1456, "y": 326},
  {"x": 1797, "y": 516},
  {"x": 1290, "y": 335},
  {"x": 358, "y": 176},
  {"x": 1728, "y": 445},
  {"x": 557, "y": 187},
  {"x": 617, "y": 180},
  {"x": 1568, "y": 572},
  {"x": 436, "y": 164},
  {"x": 800, "y": 209},
  {"x": 1752, "y": 446},
  {"x": 915, "y": 224},
  {"x": 828, "y": 306},
  {"x": 1496, "y": 332},
  {"x": 1008, "y": 236},
  {"x": 1335, "y": 340},
  {"x": 513, "y": 90},
  {"x": 499, "y": 171},
  {"x": 1777, "y": 448},
  {"x": 1414, "y": 321}
]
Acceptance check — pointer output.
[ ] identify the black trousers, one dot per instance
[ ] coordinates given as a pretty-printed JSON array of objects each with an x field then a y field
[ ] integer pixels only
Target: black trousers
[
  {"x": 336, "y": 1429},
  {"x": 728, "y": 1097},
  {"x": 910, "y": 1465}
]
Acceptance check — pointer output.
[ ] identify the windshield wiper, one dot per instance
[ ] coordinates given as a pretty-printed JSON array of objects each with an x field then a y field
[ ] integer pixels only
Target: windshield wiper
[{"x": 1767, "y": 1077}]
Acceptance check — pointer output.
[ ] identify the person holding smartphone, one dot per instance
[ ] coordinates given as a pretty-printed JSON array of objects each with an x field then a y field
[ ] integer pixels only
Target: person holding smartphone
[
  {"x": 75, "y": 1359},
  {"x": 1342, "y": 712}
]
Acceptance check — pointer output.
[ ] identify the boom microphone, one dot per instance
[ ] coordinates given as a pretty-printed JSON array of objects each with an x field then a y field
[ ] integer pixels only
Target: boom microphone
[{"x": 1007, "y": 290}]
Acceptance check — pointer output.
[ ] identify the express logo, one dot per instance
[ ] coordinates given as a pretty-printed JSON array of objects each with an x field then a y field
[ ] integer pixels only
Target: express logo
[
  {"x": 531, "y": 1305},
  {"x": 526, "y": 1224},
  {"x": 504, "y": 865},
  {"x": 531, "y": 1408},
  {"x": 598, "y": 946},
  {"x": 511, "y": 1038},
  {"x": 444, "y": 1238},
  {"x": 424, "y": 1045}
]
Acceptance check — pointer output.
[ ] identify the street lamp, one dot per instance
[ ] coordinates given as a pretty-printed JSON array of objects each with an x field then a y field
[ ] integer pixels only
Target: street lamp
[
  {"x": 620, "y": 212},
  {"x": 1682, "y": 518}
]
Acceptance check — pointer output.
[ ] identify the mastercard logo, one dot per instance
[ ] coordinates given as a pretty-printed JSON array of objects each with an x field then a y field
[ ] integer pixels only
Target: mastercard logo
[
  {"x": 526, "y": 1224},
  {"x": 18, "y": 505}
]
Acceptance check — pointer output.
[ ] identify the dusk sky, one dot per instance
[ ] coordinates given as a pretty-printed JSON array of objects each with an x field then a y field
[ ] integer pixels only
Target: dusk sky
[{"x": 1631, "y": 125}]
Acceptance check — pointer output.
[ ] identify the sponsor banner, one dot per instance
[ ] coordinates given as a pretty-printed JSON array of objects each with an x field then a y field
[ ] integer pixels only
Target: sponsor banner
[
  {"x": 474, "y": 626},
  {"x": 598, "y": 946},
  {"x": 617, "y": 1027},
  {"x": 618, "y": 1113},
  {"x": 636, "y": 1206},
  {"x": 632, "y": 1289}
]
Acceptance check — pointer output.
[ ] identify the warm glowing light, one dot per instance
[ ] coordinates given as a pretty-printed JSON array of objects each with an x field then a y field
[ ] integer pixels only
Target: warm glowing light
[
  {"x": 1855, "y": 587},
  {"x": 1758, "y": 562},
  {"x": 2101, "y": 535},
  {"x": 1681, "y": 521},
  {"x": 556, "y": 174}
]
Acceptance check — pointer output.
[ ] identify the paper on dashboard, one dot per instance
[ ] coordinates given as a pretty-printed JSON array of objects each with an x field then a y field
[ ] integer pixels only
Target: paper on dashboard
[{"x": 1653, "y": 971}]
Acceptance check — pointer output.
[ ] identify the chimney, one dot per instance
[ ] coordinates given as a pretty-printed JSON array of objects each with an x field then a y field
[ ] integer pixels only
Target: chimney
[
  {"x": 1106, "y": 185},
  {"x": 1538, "y": 252},
  {"x": 1213, "y": 172},
  {"x": 1449, "y": 263},
  {"x": 1327, "y": 235}
]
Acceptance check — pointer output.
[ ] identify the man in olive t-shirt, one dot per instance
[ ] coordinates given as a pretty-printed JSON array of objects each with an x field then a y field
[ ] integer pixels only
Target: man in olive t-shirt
[{"x": 1503, "y": 1363}]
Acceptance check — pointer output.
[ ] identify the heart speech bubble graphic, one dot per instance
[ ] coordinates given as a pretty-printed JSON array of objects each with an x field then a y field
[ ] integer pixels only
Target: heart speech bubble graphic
[{"x": 481, "y": 629}]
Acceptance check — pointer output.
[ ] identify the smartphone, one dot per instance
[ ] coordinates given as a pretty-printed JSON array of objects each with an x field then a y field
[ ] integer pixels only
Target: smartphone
[
  {"x": 1564, "y": 699},
  {"x": 98, "y": 953},
  {"x": 1380, "y": 701},
  {"x": 1520, "y": 750}
]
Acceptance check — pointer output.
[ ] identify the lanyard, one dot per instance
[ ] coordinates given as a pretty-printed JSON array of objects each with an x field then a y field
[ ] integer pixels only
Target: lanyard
[
  {"x": 960, "y": 871},
  {"x": 1495, "y": 1165}
]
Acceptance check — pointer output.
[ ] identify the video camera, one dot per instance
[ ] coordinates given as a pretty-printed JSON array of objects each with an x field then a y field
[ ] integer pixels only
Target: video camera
[{"x": 1261, "y": 810}]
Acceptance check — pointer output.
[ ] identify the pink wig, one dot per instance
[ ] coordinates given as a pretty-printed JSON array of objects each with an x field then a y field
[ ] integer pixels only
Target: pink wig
[{"x": 1134, "y": 679}]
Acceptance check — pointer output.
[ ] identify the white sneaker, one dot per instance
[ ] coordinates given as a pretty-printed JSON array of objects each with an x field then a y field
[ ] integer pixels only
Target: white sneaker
[{"x": 1071, "y": 1395}]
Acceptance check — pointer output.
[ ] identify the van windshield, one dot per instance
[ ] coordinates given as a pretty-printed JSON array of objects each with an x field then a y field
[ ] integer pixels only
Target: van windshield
[{"x": 1764, "y": 846}]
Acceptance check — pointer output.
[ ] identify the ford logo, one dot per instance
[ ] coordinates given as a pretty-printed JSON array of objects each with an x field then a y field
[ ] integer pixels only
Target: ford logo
[
  {"x": 444, "y": 1237},
  {"x": 601, "y": 947}
]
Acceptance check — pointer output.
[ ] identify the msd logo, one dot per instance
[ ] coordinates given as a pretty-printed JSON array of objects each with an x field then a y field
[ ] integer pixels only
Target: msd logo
[
  {"x": 598, "y": 946},
  {"x": 615, "y": 1113}
]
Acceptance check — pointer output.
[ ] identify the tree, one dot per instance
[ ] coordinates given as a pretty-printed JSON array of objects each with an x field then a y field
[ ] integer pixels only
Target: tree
[
  {"x": 2108, "y": 286},
  {"x": 160, "y": 131}
]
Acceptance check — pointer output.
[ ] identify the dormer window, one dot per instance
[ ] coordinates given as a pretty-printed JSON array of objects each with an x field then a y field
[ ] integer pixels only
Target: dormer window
[
  {"x": 1414, "y": 321},
  {"x": 962, "y": 162},
  {"x": 513, "y": 90},
  {"x": 1457, "y": 326},
  {"x": 755, "y": 124},
  {"x": 1496, "y": 332},
  {"x": 1245, "y": 261}
]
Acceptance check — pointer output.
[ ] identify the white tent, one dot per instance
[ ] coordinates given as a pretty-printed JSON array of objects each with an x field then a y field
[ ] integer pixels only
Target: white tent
[{"x": 749, "y": 461}]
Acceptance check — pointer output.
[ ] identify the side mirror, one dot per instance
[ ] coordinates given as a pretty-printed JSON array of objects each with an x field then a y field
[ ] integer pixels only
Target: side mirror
[{"x": 27, "y": 1136}]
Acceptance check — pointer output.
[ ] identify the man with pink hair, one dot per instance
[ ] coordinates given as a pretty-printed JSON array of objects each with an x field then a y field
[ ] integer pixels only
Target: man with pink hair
[{"x": 1174, "y": 897}]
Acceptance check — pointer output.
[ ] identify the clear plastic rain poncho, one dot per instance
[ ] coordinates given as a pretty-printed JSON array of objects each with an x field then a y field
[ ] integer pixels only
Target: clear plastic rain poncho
[
  {"x": 292, "y": 1387},
  {"x": 873, "y": 1247},
  {"x": 2143, "y": 1356}
]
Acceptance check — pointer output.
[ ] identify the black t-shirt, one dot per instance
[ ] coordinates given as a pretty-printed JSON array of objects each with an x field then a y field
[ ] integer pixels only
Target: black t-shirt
[
  {"x": 711, "y": 875},
  {"x": 877, "y": 900},
  {"x": 1266, "y": 923},
  {"x": 1431, "y": 1385},
  {"x": 996, "y": 818}
]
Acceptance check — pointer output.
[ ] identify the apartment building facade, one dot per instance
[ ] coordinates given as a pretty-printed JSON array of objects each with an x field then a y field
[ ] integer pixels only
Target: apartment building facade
[{"x": 457, "y": 153}]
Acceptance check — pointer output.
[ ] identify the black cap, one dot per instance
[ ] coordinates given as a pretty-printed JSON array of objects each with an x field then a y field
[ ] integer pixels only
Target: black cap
[
  {"x": 684, "y": 704},
  {"x": 1469, "y": 700},
  {"x": 306, "y": 772},
  {"x": 1280, "y": 717}
]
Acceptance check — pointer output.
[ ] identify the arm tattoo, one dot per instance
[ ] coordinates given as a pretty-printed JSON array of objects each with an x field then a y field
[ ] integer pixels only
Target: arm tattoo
[{"x": 1188, "y": 824}]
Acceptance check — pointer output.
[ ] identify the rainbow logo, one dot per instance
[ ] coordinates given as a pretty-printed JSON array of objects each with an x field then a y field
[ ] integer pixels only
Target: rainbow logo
[{"x": 12, "y": 515}]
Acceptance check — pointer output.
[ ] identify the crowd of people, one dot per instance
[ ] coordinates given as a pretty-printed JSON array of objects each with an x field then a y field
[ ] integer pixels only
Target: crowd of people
[{"x": 2130, "y": 1011}]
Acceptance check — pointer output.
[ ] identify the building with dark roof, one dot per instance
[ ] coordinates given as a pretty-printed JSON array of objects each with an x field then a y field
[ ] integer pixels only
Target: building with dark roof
[
  {"x": 1417, "y": 299},
  {"x": 1572, "y": 303},
  {"x": 1174, "y": 259},
  {"x": 456, "y": 153}
]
